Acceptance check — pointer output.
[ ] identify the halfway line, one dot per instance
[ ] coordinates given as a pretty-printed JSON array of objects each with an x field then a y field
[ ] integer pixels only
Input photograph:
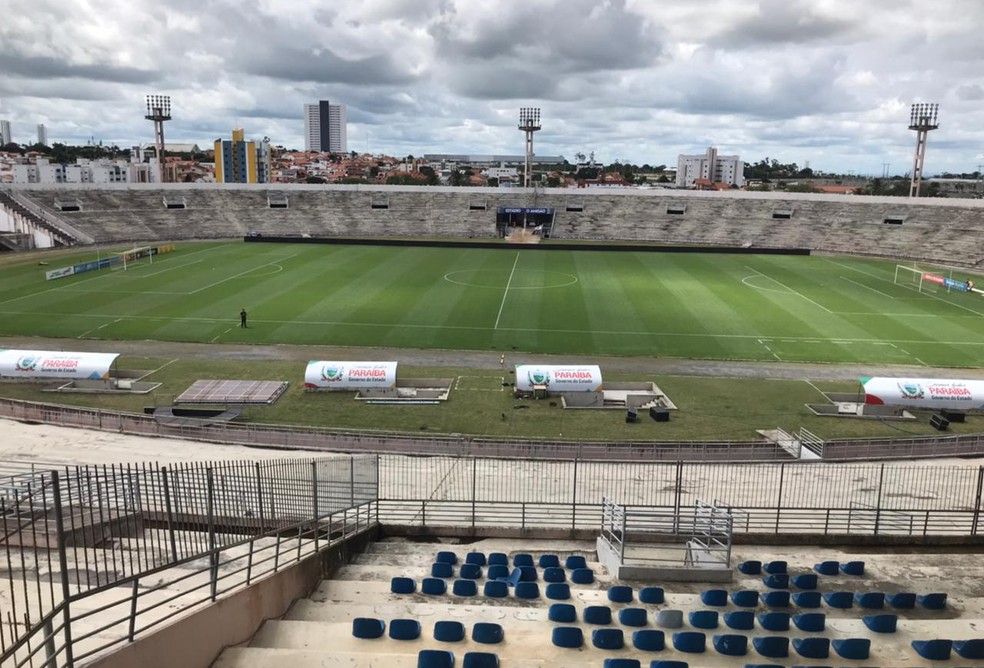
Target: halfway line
[{"x": 506, "y": 293}]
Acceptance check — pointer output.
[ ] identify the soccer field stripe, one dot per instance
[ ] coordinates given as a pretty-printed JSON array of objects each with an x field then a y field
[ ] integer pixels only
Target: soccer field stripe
[
  {"x": 505, "y": 293},
  {"x": 243, "y": 273},
  {"x": 867, "y": 287}
]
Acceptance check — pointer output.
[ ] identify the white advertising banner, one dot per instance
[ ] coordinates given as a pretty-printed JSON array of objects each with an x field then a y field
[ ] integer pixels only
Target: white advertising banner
[
  {"x": 931, "y": 393},
  {"x": 349, "y": 375},
  {"x": 47, "y": 364},
  {"x": 559, "y": 377}
]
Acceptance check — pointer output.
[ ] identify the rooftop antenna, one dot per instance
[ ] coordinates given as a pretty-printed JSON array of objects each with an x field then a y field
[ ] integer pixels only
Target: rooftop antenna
[
  {"x": 529, "y": 122},
  {"x": 922, "y": 119},
  {"x": 158, "y": 111}
]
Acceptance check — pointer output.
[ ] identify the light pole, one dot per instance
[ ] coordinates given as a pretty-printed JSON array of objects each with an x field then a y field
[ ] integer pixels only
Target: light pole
[
  {"x": 158, "y": 111},
  {"x": 529, "y": 122},
  {"x": 922, "y": 119}
]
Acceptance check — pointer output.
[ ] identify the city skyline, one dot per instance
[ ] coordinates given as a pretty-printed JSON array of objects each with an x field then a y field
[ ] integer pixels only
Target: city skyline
[{"x": 824, "y": 83}]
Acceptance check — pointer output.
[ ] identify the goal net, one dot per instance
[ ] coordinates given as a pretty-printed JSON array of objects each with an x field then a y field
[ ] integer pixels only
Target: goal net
[{"x": 931, "y": 279}]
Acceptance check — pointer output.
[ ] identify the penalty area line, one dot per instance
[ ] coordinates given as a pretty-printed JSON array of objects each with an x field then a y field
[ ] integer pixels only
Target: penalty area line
[{"x": 216, "y": 337}]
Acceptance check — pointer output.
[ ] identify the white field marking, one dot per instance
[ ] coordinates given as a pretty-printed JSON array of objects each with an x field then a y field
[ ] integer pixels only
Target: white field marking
[
  {"x": 822, "y": 393},
  {"x": 868, "y": 287},
  {"x": 900, "y": 315},
  {"x": 180, "y": 266},
  {"x": 166, "y": 364},
  {"x": 447, "y": 277},
  {"x": 243, "y": 273},
  {"x": 216, "y": 337},
  {"x": 766, "y": 346},
  {"x": 759, "y": 287},
  {"x": 506, "y": 292},
  {"x": 458, "y": 388},
  {"x": 124, "y": 292},
  {"x": 821, "y": 306},
  {"x": 923, "y": 295},
  {"x": 94, "y": 329}
]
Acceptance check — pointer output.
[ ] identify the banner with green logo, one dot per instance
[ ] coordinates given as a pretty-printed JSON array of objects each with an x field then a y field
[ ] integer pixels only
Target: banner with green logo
[{"x": 349, "y": 375}]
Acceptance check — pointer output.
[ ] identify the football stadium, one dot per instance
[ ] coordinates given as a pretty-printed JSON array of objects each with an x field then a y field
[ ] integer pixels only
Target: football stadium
[{"x": 398, "y": 426}]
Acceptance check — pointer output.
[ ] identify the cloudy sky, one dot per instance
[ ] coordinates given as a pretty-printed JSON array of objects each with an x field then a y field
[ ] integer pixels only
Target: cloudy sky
[{"x": 824, "y": 82}]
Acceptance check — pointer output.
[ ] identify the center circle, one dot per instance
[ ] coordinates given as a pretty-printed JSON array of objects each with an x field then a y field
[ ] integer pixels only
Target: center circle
[{"x": 498, "y": 279}]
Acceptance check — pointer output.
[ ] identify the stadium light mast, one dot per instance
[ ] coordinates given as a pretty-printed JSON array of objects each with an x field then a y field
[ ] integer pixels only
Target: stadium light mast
[
  {"x": 922, "y": 119},
  {"x": 529, "y": 122},
  {"x": 158, "y": 111}
]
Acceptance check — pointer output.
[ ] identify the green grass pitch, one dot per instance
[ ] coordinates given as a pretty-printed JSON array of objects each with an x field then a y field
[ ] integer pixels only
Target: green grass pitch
[{"x": 692, "y": 305}]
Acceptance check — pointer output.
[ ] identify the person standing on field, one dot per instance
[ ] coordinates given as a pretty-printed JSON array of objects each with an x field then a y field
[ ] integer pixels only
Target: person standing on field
[{"x": 242, "y": 318}]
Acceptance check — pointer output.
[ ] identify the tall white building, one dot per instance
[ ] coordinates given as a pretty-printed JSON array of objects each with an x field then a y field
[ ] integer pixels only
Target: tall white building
[
  {"x": 325, "y": 127},
  {"x": 5, "y": 133},
  {"x": 713, "y": 167},
  {"x": 42, "y": 134}
]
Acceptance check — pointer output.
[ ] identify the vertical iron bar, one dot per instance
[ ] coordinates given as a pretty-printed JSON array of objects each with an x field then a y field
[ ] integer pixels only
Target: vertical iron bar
[
  {"x": 782, "y": 479},
  {"x": 63, "y": 567},
  {"x": 50, "y": 651},
  {"x": 170, "y": 514},
  {"x": 474, "y": 490},
  {"x": 574, "y": 497},
  {"x": 878, "y": 508},
  {"x": 316, "y": 514},
  {"x": 212, "y": 554},
  {"x": 677, "y": 496},
  {"x": 133, "y": 610},
  {"x": 977, "y": 502}
]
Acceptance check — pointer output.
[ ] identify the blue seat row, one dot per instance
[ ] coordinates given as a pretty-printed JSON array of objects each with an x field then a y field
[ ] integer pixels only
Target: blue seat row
[
  {"x": 939, "y": 649},
  {"x": 754, "y": 567},
  {"x": 781, "y": 597},
  {"x": 488, "y": 633},
  {"x": 442, "y": 658},
  {"x": 492, "y": 588},
  {"x": 502, "y": 559}
]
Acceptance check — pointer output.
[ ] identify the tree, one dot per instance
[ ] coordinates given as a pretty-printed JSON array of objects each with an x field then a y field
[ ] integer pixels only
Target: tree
[
  {"x": 492, "y": 182},
  {"x": 458, "y": 177},
  {"x": 314, "y": 179},
  {"x": 429, "y": 174}
]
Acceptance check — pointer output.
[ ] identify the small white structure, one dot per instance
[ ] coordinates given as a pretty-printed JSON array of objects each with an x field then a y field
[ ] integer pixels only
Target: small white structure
[
  {"x": 559, "y": 378},
  {"x": 34, "y": 364},
  {"x": 931, "y": 393},
  {"x": 328, "y": 375}
]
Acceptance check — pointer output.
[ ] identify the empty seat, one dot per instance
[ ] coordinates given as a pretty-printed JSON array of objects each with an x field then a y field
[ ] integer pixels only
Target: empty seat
[
  {"x": 745, "y": 598},
  {"x": 368, "y": 627},
  {"x": 731, "y": 644},
  {"x": 807, "y": 599},
  {"x": 435, "y": 658},
  {"x": 652, "y": 595},
  {"x": 902, "y": 600},
  {"x": 856, "y": 649},
  {"x": 773, "y": 567},
  {"x": 766, "y": 665},
  {"x": 740, "y": 620},
  {"x": 480, "y": 660},
  {"x": 558, "y": 591},
  {"x": 565, "y": 613},
  {"x": 498, "y": 559},
  {"x": 751, "y": 567},
  {"x": 715, "y": 597},
  {"x": 449, "y": 631},
  {"x": 777, "y": 599},
  {"x": 771, "y": 647},
  {"x": 668, "y": 663},
  {"x": 554, "y": 574},
  {"x": 969, "y": 649},
  {"x": 582, "y": 576},
  {"x": 570, "y": 637},
  {"x": 497, "y": 571},
  {"x": 403, "y": 585},
  {"x": 575, "y": 561},
  {"x": 487, "y": 633},
  {"x": 934, "y": 650},
  {"x": 852, "y": 568},
  {"x": 433, "y": 586},
  {"x": 649, "y": 640},
  {"x": 470, "y": 571},
  {"x": 442, "y": 569},
  {"x": 514, "y": 577},
  {"x": 827, "y": 567},
  {"x": 633, "y": 616},
  {"x": 932, "y": 601},
  {"x": 691, "y": 642},
  {"x": 619, "y": 662},
  {"x": 446, "y": 558},
  {"x": 805, "y": 581},
  {"x": 608, "y": 638},
  {"x": 477, "y": 558},
  {"x": 404, "y": 629},
  {"x": 549, "y": 561},
  {"x": 881, "y": 623},
  {"x": 464, "y": 588},
  {"x": 704, "y": 619},
  {"x": 597, "y": 614},
  {"x": 812, "y": 648},
  {"x": 496, "y": 589},
  {"x": 839, "y": 599},
  {"x": 669, "y": 619},
  {"x": 811, "y": 622},
  {"x": 776, "y": 581},
  {"x": 527, "y": 590},
  {"x": 774, "y": 621},
  {"x": 620, "y": 594},
  {"x": 527, "y": 573},
  {"x": 870, "y": 599},
  {"x": 522, "y": 559}
]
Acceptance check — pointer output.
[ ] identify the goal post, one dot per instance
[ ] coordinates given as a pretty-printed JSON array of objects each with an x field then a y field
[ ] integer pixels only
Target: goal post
[{"x": 923, "y": 279}]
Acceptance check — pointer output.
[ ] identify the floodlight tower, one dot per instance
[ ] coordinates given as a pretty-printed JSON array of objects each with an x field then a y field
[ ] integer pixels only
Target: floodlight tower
[
  {"x": 529, "y": 122},
  {"x": 922, "y": 119},
  {"x": 159, "y": 110}
]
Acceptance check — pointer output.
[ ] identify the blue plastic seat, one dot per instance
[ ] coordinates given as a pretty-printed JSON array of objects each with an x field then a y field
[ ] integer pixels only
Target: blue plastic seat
[
  {"x": 669, "y": 619},
  {"x": 480, "y": 660},
  {"x": 704, "y": 619},
  {"x": 464, "y": 588},
  {"x": 668, "y": 663},
  {"x": 649, "y": 640},
  {"x": 812, "y": 648},
  {"x": 487, "y": 633},
  {"x": 652, "y": 595},
  {"x": 497, "y": 571},
  {"x": 477, "y": 558},
  {"x": 691, "y": 642},
  {"x": 731, "y": 644},
  {"x": 881, "y": 623},
  {"x": 554, "y": 574},
  {"x": 827, "y": 567},
  {"x": 807, "y": 599},
  {"x": 434, "y": 586},
  {"x": 740, "y": 620},
  {"x": 873, "y": 600},
  {"x": 901, "y": 601},
  {"x": 750, "y": 567},
  {"x": 608, "y": 638},
  {"x": 569, "y": 637},
  {"x": 633, "y": 616},
  {"x": 496, "y": 589},
  {"x": 563, "y": 613},
  {"x": 368, "y": 627},
  {"x": 498, "y": 559},
  {"x": 777, "y": 599},
  {"x": 715, "y": 597},
  {"x": 853, "y": 568},
  {"x": 449, "y": 631},
  {"x": 522, "y": 559},
  {"x": 527, "y": 590},
  {"x": 774, "y": 567},
  {"x": 771, "y": 647},
  {"x": 404, "y": 629},
  {"x": 597, "y": 614},
  {"x": 620, "y": 662},
  {"x": 767, "y": 665},
  {"x": 839, "y": 599},
  {"x": 969, "y": 649},
  {"x": 558, "y": 591},
  {"x": 574, "y": 562},
  {"x": 774, "y": 621},
  {"x": 549, "y": 561},
  {"x": 403, "y": 585},
  {"x": 442, "y": 569},
  {"x": 804, "y": 581},
  {"x": 745, "y": 598},
  {"x": 855, "y": 649},
  {"x": 811, "y": 622},
  {"x": 620, "y": 594},
  {"x": 470, "y": 571},
  {"x": 932, "y": 601},
  {"x": 527, "y": 574},
  {"x": 776, "y": 581},
  {"x": 446, "y": 557},
  {"x": 934, "y": 650},
  {"x": 582, "y": 576},
  {"x": 514, "y": 577},
  {"x": 435, "y": 658}
]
